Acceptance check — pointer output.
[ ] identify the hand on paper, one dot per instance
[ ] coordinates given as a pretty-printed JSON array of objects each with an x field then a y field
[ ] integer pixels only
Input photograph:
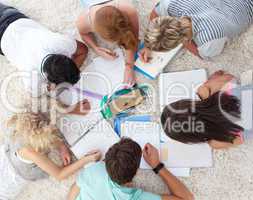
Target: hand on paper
[
  {"x": 145, "y": 55},
  {"x": 94, "y": 156},
  {"x": 81, "y": 108},
  {"x": 151, "y": 155},
  {"x": 105, "y": 53}
]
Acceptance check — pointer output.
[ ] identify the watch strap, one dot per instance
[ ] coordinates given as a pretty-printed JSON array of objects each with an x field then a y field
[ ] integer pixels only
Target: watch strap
[{"x": 158, "y": 168}]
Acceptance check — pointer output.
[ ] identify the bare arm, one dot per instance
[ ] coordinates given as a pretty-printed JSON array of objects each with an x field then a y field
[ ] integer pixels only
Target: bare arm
[
  {"x": 192, "y": 47},
  {"x": 60, "y": 173},
  {"x": 177, "y": 188},
  {"x": 153, "y": 15},
  {"x": 80, "y": 54},
  {"x": 81, "y": 108},
  {"x": 85, "y": 31},
  {"x": 74, "y": 192}
]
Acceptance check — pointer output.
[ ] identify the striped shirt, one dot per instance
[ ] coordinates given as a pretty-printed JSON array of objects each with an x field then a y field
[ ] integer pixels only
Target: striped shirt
[{"x": 214, "y": 21}]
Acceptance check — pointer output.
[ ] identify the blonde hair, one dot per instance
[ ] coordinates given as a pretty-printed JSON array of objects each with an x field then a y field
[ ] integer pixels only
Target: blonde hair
[
  {"x": 35, "y": 131},
  {"x": 111, "y": 24},
  {"x": 165, "y": 33}
]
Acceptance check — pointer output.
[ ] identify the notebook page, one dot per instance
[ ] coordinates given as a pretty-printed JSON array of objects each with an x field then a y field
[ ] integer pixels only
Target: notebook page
[
  {"x": 102, "y": 137},
  {"x": 142, "y": 133},
  {"x": 180, "y": 85},
  {"x": 158, "y": 61}
]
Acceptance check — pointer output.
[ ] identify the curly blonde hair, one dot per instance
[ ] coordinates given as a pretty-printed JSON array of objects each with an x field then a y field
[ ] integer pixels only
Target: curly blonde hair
[
  {"x": 35, "y": 131},
  {"x": 111, "y": 24},
  {"x": 165, "y": 33}
]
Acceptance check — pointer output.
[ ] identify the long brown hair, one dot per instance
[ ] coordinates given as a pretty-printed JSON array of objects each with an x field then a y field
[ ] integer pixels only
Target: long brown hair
[
  {"x": 209, "y": 112},
  {"x": 111, "y": 24}
]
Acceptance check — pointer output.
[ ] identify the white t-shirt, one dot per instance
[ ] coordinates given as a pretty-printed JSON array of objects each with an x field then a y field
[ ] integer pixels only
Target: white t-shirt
[{"x": 26, "y": 43}]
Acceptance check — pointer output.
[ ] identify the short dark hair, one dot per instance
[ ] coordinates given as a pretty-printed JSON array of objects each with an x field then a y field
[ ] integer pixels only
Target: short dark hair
[
  {"x": 216, "y": 126},
  {"x": 60, "y": 69},
  {"x": 123, "y": 160}
]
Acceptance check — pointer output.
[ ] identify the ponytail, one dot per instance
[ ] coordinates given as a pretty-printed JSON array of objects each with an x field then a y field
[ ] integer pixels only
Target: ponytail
[{"x": 128, "y": 40}]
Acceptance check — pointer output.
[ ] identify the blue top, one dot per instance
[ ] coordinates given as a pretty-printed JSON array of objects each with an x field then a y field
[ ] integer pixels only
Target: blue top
[{"x": 95, "y": 184}]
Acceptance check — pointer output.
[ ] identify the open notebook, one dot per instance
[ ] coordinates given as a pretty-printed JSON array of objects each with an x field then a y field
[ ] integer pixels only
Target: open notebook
[
  {"x": 173, "y": 87},
  {"x": 102, "y": 77},
  {"x": 157, "y": 63},
  {"x": 142, "y": 133},
  {"x": 100, "y": 135}
]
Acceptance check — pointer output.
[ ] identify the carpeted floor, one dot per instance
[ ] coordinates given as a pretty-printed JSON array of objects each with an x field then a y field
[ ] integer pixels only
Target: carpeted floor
[{"x": 231, "y": 178}]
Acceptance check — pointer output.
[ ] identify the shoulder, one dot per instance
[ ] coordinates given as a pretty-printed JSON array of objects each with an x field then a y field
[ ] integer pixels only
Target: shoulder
[
  {"x": 95, "y": 169},
  {"x": 28, "y": 153},
  {"x": 92, "y": 172},
  {"x": 83, "y": 23}
]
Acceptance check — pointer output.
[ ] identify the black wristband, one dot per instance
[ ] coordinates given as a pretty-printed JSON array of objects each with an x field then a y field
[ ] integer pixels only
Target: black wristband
[{"x": 158, "y": 168}]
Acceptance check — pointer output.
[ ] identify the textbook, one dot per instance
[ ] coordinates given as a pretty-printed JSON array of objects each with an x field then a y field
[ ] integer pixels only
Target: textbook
[
  {"x": 157, "y": 63},
  {"x": 173, "y": 87}
]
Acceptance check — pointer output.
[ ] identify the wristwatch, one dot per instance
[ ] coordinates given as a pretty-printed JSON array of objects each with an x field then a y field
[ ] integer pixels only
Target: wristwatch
[{"x": 158, "y": 168}]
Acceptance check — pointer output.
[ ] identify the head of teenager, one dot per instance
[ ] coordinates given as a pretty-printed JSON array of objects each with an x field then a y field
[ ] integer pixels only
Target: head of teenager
[
  {"x": 34, "y": 130},
  {"x": 59, "y": 69},
  {"x": 166, "y": 33},
  {"x": 123, "y": 160},
  {"x": 112, "y": 25},
  {"x": 190, "y": 121}
]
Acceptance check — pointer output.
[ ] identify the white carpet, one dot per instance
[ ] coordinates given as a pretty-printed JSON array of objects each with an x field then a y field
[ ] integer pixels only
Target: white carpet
[{"x": 232, "y": 176}]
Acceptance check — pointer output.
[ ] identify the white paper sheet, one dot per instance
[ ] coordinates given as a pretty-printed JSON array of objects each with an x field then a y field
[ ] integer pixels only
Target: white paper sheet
[
  {"x": 158, "y": 62},
  {"x": 102, "y": 137},
  {"x": 180, "y": 172},
  {"x": 142, "y": 133},
  {"x": 180, "y": 155},
  {"x": 104, "y": 76},
  {"x": 180, "y": 85}
]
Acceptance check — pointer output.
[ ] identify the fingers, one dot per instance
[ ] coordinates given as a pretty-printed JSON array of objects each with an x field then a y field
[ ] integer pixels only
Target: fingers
[
  {"x": 109, "y": 54},
  {"x": 141, "y": 56},
  {"x": 93, "y": 152},
  {"x": 85, "y": 101},
  {"x": 144, "y": 55}
]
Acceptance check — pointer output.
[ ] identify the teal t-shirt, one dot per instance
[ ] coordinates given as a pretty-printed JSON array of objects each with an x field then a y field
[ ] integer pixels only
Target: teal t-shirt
[{"x": 95, "y": 184}]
